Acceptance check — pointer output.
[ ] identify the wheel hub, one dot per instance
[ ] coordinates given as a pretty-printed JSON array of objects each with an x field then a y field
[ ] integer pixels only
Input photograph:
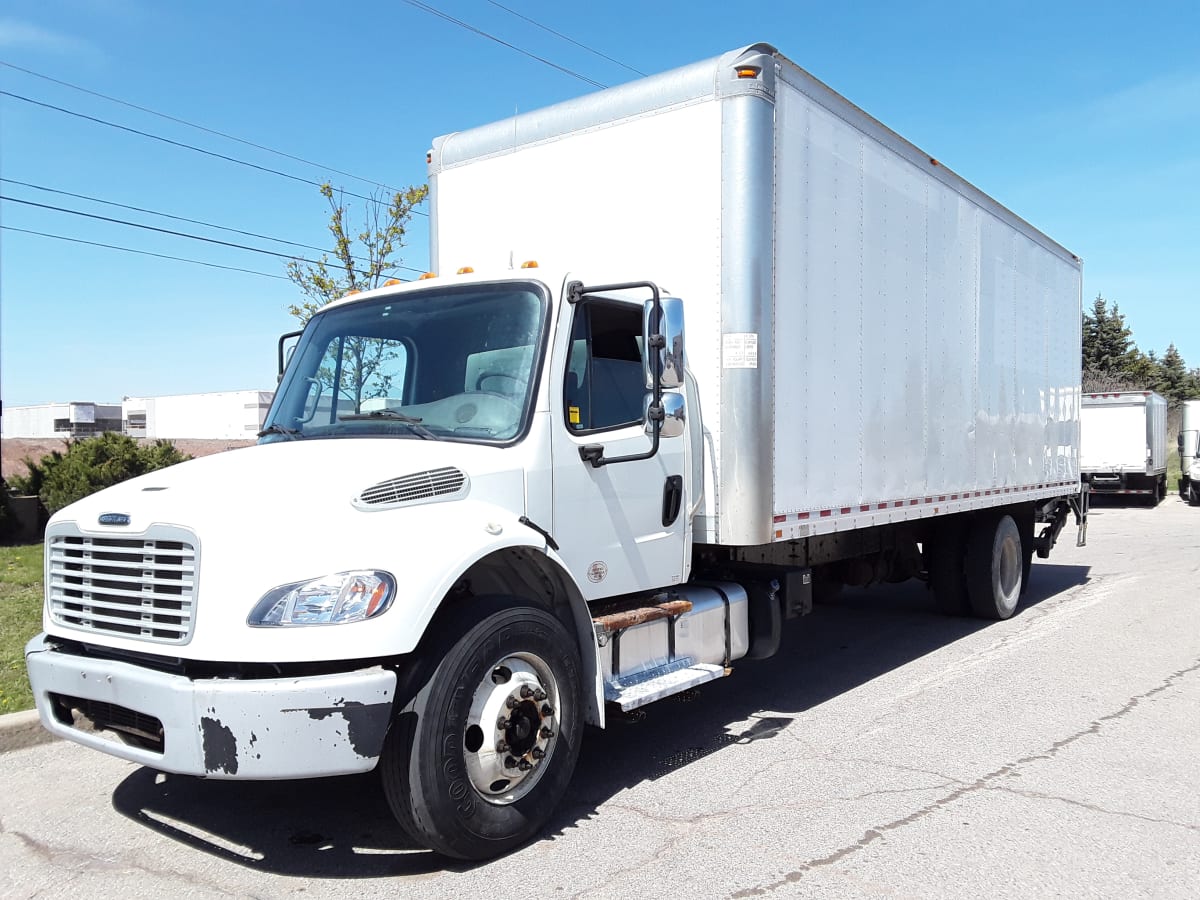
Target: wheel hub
[{"x": 512, "y": 728}]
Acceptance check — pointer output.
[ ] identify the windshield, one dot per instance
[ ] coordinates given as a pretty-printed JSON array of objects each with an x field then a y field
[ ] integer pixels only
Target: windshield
[{"x": 454, "y": 363}]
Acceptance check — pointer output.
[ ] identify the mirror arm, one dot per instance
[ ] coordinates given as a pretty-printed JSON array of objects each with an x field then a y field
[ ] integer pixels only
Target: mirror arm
[{"x": 593, "y": 454}]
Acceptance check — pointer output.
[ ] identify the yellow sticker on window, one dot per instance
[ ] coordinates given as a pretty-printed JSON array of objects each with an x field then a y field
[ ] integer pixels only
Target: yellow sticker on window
[{"x": 573, "y": 415}]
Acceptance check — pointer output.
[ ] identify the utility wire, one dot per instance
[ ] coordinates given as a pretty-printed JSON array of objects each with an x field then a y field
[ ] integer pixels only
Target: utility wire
[
  {"x": 425, "y": 7},
  {"x": 153, "y": 212},
  {"x": 183, "y": 234},
  {"x": 198, "y": 262},
  {"x": 569, "y": 40},
  {"x": 203, "y": 128},
  {"x": 212, "y": 153}
]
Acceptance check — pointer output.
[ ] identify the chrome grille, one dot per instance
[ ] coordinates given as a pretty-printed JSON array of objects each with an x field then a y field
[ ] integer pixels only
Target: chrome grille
[
  {"x": 132, "y": 587},
  {"x": 414, "y": 488}
]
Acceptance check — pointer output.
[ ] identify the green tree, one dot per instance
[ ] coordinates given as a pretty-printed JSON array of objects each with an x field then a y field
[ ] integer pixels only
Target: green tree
[
  {"x": 357, "y": 265},
  {"x": 90, "y": 464},
  {"x": 1107, "y": 341}
]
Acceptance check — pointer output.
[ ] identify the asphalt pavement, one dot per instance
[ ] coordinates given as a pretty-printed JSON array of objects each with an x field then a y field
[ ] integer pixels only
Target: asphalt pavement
[{"x": 887, "y": 751}]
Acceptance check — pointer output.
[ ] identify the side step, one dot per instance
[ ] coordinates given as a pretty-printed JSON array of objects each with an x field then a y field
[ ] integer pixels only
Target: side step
[
  {"x": 653, "y": 646},
  {"x": 654, "y": 684}
]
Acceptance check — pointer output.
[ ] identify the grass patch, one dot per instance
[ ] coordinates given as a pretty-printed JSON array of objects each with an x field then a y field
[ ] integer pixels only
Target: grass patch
[
  {"x": 20, "y": 619},
  {"x": 1174, "y": 472}
]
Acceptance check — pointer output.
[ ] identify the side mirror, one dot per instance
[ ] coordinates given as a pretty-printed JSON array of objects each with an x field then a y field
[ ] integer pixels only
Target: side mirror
[
  {"x": 674, "y": 420},
  {"x": 283, "y": 339},
  {"x": 670, "y": 350}
]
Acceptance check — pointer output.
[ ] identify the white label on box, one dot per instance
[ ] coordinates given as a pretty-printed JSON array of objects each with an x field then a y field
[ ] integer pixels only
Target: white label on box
[{"x": 740, "y": 350}]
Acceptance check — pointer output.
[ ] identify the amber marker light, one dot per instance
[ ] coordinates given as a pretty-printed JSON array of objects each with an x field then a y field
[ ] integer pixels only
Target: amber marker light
[
  {"x": 466, "y": 270},
  {"x": 529, "y": 264},
  {"x": 391, "y": 281},
  {"x": 425, "y": 276},
  {"x": 748, "y": 72}
]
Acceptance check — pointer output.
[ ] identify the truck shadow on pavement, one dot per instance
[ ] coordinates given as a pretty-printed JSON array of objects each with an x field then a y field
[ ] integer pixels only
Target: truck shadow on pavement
[{"x": 342, "y": 828}]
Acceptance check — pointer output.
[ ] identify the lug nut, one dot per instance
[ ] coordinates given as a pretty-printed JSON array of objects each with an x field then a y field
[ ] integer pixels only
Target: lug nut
[
  {"x": 526, "y": 691},
  {"x": 539, "y": 695},
  {"x": 502, "y": 723},
  {"x": 511, "y": 703},
  {"x": 524, "y": 765},
  {"x": 537, "y": 752},
  {"x": 510, "y": 763},
  {"x": 547, "y": 709},
  {"x": 546, "y": 733},
  {"x": 501, "y": 746}
]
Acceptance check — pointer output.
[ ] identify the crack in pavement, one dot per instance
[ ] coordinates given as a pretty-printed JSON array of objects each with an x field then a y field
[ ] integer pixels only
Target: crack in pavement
[
  {"x": 1083, "y": 804},
  {"x": 984, "y": 783},
  {"x": 78, "y": 862}
]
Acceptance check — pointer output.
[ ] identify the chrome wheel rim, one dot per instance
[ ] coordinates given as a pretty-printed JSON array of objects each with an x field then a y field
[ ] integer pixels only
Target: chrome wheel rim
[{"x": 512, "y": 728}]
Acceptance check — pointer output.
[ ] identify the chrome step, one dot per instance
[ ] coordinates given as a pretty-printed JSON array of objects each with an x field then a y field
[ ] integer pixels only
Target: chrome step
[{"x": 655, "y": 684}]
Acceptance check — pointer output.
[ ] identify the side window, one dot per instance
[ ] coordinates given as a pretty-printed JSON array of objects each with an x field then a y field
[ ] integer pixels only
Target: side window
[{"x": 603, "y": 387}]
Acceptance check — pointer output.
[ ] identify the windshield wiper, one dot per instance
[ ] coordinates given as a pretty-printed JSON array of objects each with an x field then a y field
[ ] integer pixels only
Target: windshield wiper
[
  {"x": 275, "y": 428},
  {"x": 413, "y": 422}
]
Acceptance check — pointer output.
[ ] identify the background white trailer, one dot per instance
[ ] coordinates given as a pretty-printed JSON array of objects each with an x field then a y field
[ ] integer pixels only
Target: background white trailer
[
  {"x": 875, "y": 340},
  {"x": 1189, "y": 446},
  {"x": 1123, "y": 443}
]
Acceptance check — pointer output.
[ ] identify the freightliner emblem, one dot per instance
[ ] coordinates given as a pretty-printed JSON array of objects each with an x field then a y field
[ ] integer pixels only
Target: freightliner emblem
[{"x": 114, "y": 519}]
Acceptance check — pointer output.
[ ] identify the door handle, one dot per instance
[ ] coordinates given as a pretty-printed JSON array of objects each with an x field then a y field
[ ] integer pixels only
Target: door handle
[{"x": 672, "y": 499}]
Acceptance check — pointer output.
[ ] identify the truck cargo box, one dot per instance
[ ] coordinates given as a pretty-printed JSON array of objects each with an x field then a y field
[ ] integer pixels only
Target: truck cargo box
[
  {"x": 874, "y": 338},
  {"x": 1123, "y": 442}
]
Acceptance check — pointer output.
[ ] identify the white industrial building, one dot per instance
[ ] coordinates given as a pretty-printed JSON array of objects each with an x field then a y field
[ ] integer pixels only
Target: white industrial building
[
  {"x": 223, "y": 415},
  {"x": 61, "y": 420},
  {"x": 228, "y": 415}
]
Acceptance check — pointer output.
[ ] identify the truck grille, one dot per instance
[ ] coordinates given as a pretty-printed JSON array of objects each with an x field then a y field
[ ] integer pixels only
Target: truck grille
[{"x": 133, "y": 587}]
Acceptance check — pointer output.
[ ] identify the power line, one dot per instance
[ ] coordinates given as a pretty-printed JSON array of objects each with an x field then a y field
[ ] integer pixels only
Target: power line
[
  {"x": 154, "y": 212},
  {"x": 569, "y": 40},
  {"x": 203, "y": 128},
  {"x": 168, "y": 231},
  {"x": 181, "y": 144},
  {"x": 198, "y": 262},
  {"x": 425, "y": 7}
]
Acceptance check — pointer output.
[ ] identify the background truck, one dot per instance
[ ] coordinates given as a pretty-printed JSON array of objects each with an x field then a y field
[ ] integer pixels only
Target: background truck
[
  {"x": 1123, "y": 443},
  {"x": 1189, "y": 452},
  {"x": 490, "y": 507}
]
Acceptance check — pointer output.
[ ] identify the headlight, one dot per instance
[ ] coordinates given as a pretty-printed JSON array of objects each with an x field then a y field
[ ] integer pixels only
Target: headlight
[{"x": 329, "y": 600}]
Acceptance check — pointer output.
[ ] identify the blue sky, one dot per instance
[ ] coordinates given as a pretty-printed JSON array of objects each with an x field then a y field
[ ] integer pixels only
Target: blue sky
[{"x": 1084, "y": 118}]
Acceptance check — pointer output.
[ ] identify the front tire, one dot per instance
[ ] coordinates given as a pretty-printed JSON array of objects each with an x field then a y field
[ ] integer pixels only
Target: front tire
[
  {"x": 1193, "y": 494},
  {"x": 485, "y": 752},
  {"x": 995, "y": 567}
]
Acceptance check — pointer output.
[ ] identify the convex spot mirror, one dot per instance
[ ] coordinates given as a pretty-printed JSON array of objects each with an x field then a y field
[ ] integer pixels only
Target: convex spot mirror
[
  {"x": 674, "y": 415},
  {"x": 670, "y": 354}
]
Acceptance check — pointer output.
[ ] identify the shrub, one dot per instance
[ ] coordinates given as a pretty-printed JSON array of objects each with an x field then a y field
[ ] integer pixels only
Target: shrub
[{"x": 90, "y": 464}]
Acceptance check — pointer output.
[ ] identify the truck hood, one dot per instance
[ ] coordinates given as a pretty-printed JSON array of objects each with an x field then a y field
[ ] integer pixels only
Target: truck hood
[
  {"x": 282, "y": 480},
  {"x": 285, "y": 512}
]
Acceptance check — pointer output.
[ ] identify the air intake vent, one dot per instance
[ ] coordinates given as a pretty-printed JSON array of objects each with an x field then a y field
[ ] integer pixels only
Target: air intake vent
[{"x": 447, "y": 483}]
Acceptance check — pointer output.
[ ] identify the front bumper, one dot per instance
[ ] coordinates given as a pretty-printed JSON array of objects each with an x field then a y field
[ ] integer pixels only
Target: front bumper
[{"x": 302, "y": 727}]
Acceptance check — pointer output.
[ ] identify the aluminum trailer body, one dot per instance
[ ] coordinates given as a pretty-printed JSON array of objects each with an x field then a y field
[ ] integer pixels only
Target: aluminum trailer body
[
  {"x": 1123, "y": 445},
  {"x": 1189, "y": 452},
  {"x": 875, "y": 340}
]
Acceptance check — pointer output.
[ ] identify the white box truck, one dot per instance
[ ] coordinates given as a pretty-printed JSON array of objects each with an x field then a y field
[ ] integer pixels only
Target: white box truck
[
  {"x": 490, "y": 507},
  {"x": 1189, "y": 452},
  {"x": 1123, "y": 444}
]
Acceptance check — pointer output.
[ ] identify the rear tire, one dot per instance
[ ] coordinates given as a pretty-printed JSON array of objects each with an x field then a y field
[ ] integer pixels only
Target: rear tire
[
  {"x": 457, "y": 780},
  {"x": 995, "y": 564},
  {"x": 1193, "y": 494}
]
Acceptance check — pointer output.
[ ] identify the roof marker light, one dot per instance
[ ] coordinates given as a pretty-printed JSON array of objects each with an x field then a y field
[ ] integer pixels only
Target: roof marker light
[
  {"x": 392, "y": 281},
  {"x": 748, "y": 71},
  {"x": 465, "y": 270},
  {"x": 427, "y": 275},
  {"x": 529, "y": 264}
]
